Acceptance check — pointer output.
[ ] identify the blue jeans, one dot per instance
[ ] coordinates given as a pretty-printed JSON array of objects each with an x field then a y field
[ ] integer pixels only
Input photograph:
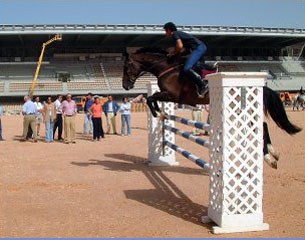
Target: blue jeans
[
  {"x": 194, "y": 57},
  {"x": 125, "y": 120},
  {"x": 49, "y": 130},
  {"x": 88, "y": 120}
]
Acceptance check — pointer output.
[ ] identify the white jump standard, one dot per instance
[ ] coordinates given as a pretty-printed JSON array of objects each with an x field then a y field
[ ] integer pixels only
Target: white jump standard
[{"x": 235, "y": 149}]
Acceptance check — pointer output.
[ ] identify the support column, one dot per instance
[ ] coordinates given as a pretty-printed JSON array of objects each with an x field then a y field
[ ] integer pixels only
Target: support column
[
  {"x": 236, "y": 152},
  {"x": 159, "y": 155}
]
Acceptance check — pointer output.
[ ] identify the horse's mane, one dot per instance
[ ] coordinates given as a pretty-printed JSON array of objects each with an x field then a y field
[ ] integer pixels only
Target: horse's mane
[
  {"x": 157, "y": 50},
  {"x": 162, "y": 53}
]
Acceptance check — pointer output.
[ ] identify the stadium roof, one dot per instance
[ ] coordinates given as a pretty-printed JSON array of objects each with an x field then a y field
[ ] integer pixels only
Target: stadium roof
[
  {"x": 140, "y": 34},
  {"x": 148, "y": 29}
]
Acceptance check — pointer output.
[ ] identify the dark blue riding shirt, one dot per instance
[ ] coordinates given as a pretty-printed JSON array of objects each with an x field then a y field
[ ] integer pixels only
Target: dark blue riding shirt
[{"x": 189, "y": 41}]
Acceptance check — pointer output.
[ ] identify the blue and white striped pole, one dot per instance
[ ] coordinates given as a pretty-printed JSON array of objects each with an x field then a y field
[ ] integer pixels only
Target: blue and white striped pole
[
  {"x": 200, "y": 125},
  {"x": 188, "y": 135},
  {"x": 200, "y": 162}
]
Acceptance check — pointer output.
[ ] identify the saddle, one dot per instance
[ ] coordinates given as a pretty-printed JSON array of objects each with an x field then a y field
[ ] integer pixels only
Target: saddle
[{"x": 204, "y": 69}]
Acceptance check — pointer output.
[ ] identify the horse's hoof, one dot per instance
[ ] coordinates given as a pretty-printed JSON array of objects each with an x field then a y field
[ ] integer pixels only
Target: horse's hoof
[
  {"x": 267, "y": 159},
  {"x": 163, "y": 116},
  {"x": 273, "y": 152}
]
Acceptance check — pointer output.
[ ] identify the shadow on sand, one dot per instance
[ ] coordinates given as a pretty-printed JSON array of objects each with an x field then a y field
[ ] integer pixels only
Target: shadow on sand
[{"x": 166, "y": 196}]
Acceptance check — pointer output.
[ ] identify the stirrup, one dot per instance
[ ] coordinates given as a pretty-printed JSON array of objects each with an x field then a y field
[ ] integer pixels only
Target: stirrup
[
  {"x": 204, "y": 89},
  {"x": 203, "y": 92}
]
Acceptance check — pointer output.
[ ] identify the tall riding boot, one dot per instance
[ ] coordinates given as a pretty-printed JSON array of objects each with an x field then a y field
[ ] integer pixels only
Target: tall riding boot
[{"x": 202, "y": 85}]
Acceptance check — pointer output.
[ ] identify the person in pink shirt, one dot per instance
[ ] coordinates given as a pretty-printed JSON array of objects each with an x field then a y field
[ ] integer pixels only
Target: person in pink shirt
[
  {"x": 96, "y": 112},
  {"x": 69, "y": 110}
]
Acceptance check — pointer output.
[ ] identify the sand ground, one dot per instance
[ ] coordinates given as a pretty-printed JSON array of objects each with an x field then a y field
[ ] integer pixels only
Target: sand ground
[{"x": 104, "y": 189}]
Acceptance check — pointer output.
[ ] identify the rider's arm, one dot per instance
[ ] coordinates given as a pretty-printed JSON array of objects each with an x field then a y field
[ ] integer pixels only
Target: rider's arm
[{"x": 179, "y": 46}]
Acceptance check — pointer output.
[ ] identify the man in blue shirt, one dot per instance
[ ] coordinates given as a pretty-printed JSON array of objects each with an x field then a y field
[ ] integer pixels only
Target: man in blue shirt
[
  {"x": 88, "y": 117},
  {"x": 29, "y": 111},
  {"x": 110, "y": 109},
  {"x": 1, "y": 112},
  {"x": 198, "y": 50}
]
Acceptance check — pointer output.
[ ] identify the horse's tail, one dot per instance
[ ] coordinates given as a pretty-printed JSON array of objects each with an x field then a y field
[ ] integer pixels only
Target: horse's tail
[{"x": 274, "y": 107}]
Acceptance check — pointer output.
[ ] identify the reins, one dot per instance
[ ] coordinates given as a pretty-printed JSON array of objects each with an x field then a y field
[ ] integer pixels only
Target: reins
[
  {"x": 162, "y": 73},
  {"x": 169, "y": 70}
]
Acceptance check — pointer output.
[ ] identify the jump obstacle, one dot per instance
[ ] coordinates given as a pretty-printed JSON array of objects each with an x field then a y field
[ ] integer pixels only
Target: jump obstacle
[{"x": 235, "y": 149}]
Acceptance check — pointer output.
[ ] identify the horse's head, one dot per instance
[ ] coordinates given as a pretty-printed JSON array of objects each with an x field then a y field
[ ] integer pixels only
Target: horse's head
[
  {"x": 132, "y": 71},
  {"x": 146, "y": 59}
]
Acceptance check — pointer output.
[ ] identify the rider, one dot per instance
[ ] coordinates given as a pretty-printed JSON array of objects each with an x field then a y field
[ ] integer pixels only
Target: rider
[{"x": 198, "y": 50}]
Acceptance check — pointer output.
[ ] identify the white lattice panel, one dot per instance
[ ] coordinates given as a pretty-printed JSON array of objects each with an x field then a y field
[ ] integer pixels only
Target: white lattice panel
[
  {"x": 157, "y": 155},
  {"x": 236, "y": 151}
]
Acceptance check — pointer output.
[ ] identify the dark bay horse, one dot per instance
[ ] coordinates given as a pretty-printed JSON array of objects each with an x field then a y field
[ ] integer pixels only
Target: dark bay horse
[{"x": 174, "y": 89}]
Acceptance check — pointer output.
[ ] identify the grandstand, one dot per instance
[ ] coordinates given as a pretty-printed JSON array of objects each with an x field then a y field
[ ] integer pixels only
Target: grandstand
[{"x": 90, "y": 57}]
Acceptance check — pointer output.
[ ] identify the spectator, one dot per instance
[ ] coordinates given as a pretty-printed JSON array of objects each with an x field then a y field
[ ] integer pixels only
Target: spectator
[
  {"x": 88, "y": 117},
  {"x": 1, "y": 112},
  {"x": 58, "y": 121},
  {"x": 29, "y": 111},
  {"x": 125, "y": 116},
  {"x": 49, "y": 114},
  {"x": 197, "y": 116},
  {"x": 69, "y": 110},
  {"x": 96, "y": 112},
  {"x": 39, "y": 117},
  {"x": 110, "y": 109},
  {"x": 206, "y": 107}
]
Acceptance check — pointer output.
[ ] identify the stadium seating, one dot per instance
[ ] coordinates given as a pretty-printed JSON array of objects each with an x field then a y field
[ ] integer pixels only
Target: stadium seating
[
  {"x": 41, "y": 86},
  {"x": 86, "y": 85},
  {"x": 1, "y": 87},
  {"x": 104, "y": 73},
  {"x": 12, "y": 108}
]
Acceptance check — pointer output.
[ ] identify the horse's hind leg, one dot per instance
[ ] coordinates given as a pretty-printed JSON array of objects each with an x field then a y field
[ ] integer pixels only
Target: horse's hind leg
[{"x": 268, "y": 149}]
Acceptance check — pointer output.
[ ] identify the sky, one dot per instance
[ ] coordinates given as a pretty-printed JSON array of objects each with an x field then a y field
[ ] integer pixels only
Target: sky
[{"x": 258, "y": 13}]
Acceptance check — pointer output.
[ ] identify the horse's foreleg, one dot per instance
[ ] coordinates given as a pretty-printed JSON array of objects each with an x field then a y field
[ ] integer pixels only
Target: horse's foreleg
[
  {"x": 162, "y": 97},
  {"x": 150, "y": 103},
  {"x": 156, "y": 105}
]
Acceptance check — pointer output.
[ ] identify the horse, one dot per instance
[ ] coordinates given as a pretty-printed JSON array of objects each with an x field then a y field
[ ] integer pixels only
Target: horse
[
  {"x": 173, "y": 88},
  {"x": 298, "y": 101}
]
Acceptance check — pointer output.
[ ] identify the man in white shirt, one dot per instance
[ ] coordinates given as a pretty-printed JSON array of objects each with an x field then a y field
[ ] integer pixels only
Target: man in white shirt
[
  {"x": 39, "y": 117},
  {"x": 29, "y": 111},
  {"x": 58, "y": 122}
]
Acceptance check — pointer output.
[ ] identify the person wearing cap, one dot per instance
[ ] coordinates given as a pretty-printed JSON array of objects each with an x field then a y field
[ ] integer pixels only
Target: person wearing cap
[
  {"x": 190, "y": 43},
  {"x": 88, "y": 117}
]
